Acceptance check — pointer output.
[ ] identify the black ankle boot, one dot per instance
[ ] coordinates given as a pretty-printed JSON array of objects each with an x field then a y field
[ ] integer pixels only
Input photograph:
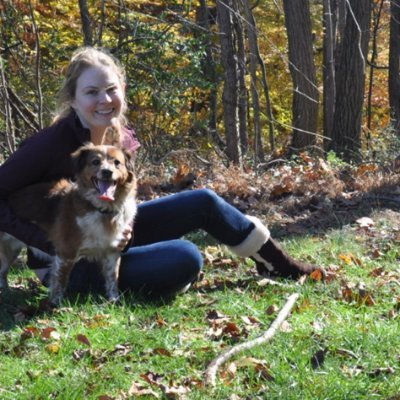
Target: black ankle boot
[{"x": 271, "y": 259}]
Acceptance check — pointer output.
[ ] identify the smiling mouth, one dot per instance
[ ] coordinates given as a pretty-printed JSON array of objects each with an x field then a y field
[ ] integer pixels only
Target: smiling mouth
[
  {"x": 105, "y": 112},
  {"x": 105, "y": 188}
]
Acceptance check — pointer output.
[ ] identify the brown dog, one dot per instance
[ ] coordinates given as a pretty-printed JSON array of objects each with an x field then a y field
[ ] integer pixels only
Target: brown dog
[{"x": 84, "y": 219}]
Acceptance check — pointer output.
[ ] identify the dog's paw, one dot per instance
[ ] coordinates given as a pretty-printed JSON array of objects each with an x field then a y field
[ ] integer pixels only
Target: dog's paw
[
  {"x": 114, "y": 299},
  {"x": 55, "y": 300}
]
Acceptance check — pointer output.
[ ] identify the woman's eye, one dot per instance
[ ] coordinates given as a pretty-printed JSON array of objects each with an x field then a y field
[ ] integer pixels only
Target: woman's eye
[
  {"x": 112, "y": 89},
  {"x": 92, "y": 92}
]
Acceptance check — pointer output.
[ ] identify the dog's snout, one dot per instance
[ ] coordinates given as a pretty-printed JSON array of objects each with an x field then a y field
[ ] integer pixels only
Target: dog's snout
[{"x": 106, "y": 173}]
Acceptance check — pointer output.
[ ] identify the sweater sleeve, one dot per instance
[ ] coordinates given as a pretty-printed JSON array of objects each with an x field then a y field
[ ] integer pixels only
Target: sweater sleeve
[
  {"x": 130, "y": 141},
  {"x": 24, "y": 167}
]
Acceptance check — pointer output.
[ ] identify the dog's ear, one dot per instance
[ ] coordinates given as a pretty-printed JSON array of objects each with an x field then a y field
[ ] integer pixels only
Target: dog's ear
[
  {"x": 79, "y": 157},
  {"x": 129, "y": 162}
]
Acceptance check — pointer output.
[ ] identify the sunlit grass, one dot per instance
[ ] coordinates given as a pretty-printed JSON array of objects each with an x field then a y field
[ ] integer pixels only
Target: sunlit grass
[{"x": 88, "y": 348}]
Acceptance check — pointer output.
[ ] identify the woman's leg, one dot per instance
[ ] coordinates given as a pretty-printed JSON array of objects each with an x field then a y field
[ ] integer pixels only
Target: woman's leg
[
  {"x": 162, "y": 268},
  {"x": 173, "y": 216}
]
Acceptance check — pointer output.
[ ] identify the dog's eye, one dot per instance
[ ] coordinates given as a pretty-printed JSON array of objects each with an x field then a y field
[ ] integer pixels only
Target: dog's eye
[
  {"x": 117, "y": 162},
  {"x": 96, "y": 162}
]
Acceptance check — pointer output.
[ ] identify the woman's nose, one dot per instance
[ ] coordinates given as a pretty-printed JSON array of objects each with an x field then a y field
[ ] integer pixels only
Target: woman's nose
[{"x": 105, "y": 97}]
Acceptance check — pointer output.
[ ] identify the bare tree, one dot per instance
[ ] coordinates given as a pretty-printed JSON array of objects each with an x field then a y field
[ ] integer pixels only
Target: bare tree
[
  {"x": 9, "y": 136},
  {"x": 255, "y": 96},
  {"x": 230, "y": 96},
  {"x": 374, "y": 55},
  {"x": 37, "y": 68},
  {"x": 86, "y": 23},
  {"x": 242, "y": 70},
  {"x": 204, "y": 16},
  {"x": 329, "y": 47},
  {"x": 350, "y": 80},
  {"x": 302, "y": 69},
  {"x": 394, "y": 66}
]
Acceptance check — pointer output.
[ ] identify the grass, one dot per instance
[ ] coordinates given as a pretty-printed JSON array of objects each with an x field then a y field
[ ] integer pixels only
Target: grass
[{"x": 341, "y": 341}]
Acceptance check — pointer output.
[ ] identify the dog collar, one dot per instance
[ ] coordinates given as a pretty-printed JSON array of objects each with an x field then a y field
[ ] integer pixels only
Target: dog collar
[{"x": 105, "y": 211}]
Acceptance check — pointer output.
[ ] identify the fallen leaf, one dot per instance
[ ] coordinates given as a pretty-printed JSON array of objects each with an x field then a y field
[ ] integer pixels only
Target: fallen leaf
[
  {"x": 379, "y": 371},
  {"x": 83, "y": 339},
  {"x": 49, "y": 333},
  {"x": 350, "y": 259},
  {"x": 152, "y": 378},
  {"x": 318, "y": 358},
  {"x": 260, "y": 366},
  {"x": 316, "y": 275},
  {"x": 272, "y": 309},
  {"x": 286, "y": 327},
  {"x": 365, "y": 222},
  {"x": 162, "y": 352},
  {"x": 53, "y": 348},
  {"x": 175, "y": 392},
  {"x": 138, "y": 389},
  {"x": 29, "y": 332}
]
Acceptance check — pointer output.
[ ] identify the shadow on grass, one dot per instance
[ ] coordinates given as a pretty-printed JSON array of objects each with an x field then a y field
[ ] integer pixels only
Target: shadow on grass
[
  {"x": 317, "y": 216},
  {"x": 20, "y": 305}
]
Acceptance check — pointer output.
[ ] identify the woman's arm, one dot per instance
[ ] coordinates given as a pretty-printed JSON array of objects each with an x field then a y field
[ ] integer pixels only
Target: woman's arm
[{"x": 26, "y": 166}]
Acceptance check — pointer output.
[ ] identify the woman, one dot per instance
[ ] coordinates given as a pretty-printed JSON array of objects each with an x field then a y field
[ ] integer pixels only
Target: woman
[{"x": 91, "y": 108}]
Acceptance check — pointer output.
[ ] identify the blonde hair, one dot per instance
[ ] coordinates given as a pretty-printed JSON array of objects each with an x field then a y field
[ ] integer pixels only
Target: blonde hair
[{"x": 82, "y": 59}]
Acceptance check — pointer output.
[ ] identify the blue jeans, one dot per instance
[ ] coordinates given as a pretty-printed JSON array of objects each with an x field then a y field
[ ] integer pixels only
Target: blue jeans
[{"x": 159, "y": 261}]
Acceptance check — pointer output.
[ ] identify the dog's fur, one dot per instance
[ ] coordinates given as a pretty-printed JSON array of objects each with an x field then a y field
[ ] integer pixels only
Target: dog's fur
[{"x": 84, "y": 219}]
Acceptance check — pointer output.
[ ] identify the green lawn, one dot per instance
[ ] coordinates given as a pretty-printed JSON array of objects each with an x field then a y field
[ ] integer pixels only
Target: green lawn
[{"x": 340, "y": 342}]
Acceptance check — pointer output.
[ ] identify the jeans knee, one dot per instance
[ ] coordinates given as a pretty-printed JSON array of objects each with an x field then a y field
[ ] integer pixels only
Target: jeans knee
[
  {"x": 190, "y": 256},
  {"x": 209, "y": 198}
]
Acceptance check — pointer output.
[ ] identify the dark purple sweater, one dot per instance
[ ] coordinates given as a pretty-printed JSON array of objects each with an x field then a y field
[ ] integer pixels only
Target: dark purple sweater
[{"x": 43, "y": 157}]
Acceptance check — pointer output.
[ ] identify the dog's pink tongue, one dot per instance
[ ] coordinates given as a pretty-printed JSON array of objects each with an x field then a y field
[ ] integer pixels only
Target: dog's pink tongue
[{"x": 107, "y": 191}]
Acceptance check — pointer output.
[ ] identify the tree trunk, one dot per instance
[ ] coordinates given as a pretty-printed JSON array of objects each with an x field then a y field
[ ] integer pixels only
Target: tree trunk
[
  {"x": 350, "y": 81},
  {"x": 374, "y": 56},
  {"x": 394, "y": 67},
  {"x": 38, "y": 74},
  {"x": 255, "y": 97},
  {"x": 302, "y": 69},
  {"x": 329, "y": 45},
  {"x": 242, "y": 101},
  {"x": 86, "y": 23},
  {"x": 230, "y": 96},
  {"x": 9, "y": 124},
  {"x": 203, "y": 17}
]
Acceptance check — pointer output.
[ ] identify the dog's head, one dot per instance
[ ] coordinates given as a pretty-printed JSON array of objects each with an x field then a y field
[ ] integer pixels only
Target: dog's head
[{"x": 103, "y": 172}]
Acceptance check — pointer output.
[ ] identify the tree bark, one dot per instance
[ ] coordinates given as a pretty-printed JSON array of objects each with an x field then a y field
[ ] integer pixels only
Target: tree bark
[
  {"x": 86, "y": 23},
  {"x": 329, "y": 46},
  {"x": 374, "y": 55},
  {"x": 302, "y": 69},
  {"x": 394, "y": 67},
  {"x": 255, "y": 96},
  {"x": 208, "y": 67},
  {"x": 350, "y": 81},
  {"x": 230, "y": 96},
  {"x": 242, "y": 100},
  {"x": 9, "y": 124},
  {"x": 38, "y": 77}
]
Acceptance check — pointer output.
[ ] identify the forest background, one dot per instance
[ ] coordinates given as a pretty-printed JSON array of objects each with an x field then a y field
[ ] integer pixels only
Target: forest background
[
  {"x": 247, "y": 81},
  {"x": 289, "y": 109}
]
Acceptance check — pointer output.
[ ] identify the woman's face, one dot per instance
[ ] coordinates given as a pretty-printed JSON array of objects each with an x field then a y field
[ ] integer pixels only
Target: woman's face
[{"x": 99, "y": 98}]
